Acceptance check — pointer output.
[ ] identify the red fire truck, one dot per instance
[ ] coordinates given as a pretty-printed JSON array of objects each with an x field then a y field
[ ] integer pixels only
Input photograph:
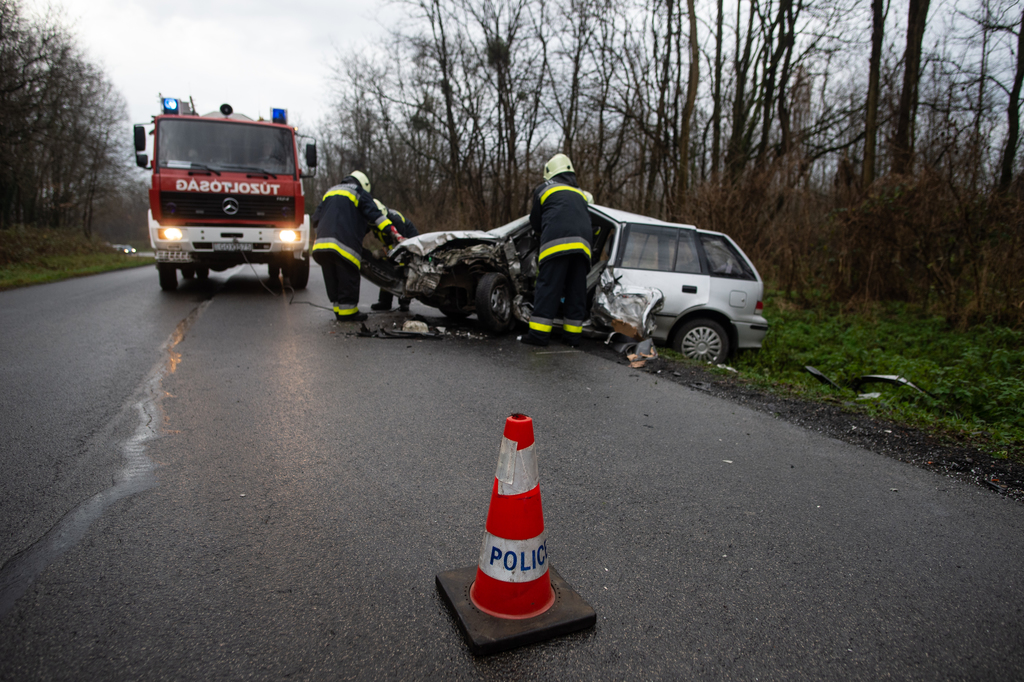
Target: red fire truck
[{"x": 225, "y": 190}]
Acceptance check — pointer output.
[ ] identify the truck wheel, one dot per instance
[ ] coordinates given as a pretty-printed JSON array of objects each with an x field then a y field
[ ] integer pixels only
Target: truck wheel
[
  {"x": 702, "y": 339},
  {"x": 168, "y": 276},
  {"x": 494, "y": 302},
  {"x": 298, "y": 274}
]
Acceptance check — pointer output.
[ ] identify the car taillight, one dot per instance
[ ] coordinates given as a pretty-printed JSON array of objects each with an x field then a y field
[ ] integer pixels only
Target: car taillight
[{"x": 759, "y": 308}]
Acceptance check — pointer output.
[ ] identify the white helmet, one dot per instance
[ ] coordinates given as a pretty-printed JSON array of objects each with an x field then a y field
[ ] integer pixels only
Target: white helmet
[
  {"x": 559, "y": 163},
  {"x": 361, "y": 177}
]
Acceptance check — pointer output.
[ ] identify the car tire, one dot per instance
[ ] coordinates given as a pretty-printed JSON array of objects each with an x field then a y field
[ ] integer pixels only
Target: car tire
[
  {"x": 168, "y": 276},
  {"x": 494, "y": 302},
  {"x": 298, "y": 274},
  {"x": 702, "y": 339}
]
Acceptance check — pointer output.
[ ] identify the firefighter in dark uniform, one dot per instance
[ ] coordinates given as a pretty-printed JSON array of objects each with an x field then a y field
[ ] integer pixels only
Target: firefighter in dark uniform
[
  {"x": 559, "y": 215},
  {"x": 406, "y": 229},
  {"x": 341, "y": 221}
]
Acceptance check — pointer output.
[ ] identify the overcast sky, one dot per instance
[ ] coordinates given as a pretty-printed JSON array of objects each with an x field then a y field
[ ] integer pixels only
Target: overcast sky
[{"x": 252, "y": 54}]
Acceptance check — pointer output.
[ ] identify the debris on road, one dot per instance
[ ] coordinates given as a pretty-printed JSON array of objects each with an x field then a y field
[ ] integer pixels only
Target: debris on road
[{"x": 398, "y": 326}]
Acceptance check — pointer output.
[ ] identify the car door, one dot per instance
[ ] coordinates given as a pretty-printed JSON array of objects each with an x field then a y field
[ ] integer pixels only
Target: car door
[{"x": 664, "y": 257}]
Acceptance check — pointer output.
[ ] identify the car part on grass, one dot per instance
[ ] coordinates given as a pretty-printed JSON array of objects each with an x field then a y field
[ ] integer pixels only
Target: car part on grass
[
  {"x": 702, "y": 339},
  {"x": 857, "y": 384},
  {"x": 814, "y": 372},
  {"x": 628, "y": 310},
  {"x": 891, "y": 379}
]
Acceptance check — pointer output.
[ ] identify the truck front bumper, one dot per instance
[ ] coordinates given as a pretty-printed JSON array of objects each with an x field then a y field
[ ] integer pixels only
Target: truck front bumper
[{"x": 229, "y": 244}]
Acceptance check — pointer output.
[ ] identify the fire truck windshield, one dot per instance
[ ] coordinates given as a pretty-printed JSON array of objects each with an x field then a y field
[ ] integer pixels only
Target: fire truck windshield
[{"x": 223, "y": 146}]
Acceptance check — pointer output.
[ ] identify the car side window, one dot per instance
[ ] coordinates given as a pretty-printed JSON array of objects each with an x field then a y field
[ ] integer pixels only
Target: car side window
[
  {"x": 723, "y": 260},
  {"x": 687, "y": 259},
  {"x": 650, "y": 248}
]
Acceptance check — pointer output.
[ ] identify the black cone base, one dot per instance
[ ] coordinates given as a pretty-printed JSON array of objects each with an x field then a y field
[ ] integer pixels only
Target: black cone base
[{"x": 486, "y": 634}]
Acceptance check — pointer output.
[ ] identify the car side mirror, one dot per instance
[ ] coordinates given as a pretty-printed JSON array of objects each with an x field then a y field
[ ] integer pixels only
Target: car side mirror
[
  {"x": 142, "y": 160},
  {"x": 140, "y": 138},
  {"x": 311, "y": 155}
]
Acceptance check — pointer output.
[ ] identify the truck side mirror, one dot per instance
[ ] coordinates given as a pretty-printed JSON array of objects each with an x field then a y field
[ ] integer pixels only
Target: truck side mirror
[
  {"x": 140, "y": 138},
  {"x": 311, "y": 155},
  {"x": 142, "y": 160}
]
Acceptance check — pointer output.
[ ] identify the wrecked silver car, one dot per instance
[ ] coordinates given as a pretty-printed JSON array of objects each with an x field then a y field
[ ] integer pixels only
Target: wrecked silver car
[{"x": 691, "y": 288}]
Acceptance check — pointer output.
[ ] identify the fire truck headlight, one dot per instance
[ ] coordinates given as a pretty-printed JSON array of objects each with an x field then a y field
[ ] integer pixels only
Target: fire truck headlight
[
  {"x": 289, "y": 235},
  {"x": 170, "y": 233}
]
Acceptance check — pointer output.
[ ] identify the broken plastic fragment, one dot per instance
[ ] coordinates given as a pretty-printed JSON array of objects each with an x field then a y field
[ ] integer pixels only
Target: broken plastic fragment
[{"x": 415, "y": 326}]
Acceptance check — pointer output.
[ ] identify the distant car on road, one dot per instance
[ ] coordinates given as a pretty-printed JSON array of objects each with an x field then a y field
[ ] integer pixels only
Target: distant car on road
[
  {"x": 712, "y": 292},
  {"x": 124, "y": 248}
]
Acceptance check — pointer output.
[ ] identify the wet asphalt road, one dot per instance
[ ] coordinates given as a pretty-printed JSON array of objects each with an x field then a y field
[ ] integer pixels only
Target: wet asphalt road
[{"x": 265, "y": 495}]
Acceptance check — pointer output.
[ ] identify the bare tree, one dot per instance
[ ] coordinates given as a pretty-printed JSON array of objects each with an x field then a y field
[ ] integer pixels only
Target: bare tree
[
  {"x": 903, "y": 140},
  {"x": 871, "y": 117},
  {"x": 1013, "y": 115}
]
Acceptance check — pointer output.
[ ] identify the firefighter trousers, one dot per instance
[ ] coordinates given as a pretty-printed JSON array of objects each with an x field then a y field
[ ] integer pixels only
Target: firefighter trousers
[
  {"x": 341, "y": 279},
  {"x": 562, "y": 282}
]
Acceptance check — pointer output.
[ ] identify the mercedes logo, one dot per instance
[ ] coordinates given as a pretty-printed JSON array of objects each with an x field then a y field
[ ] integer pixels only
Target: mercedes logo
[{"x": 230, "y": 206}]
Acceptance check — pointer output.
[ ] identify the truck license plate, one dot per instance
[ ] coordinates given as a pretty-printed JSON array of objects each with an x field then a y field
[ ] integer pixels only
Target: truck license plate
[{"x": 230, "y": 246}]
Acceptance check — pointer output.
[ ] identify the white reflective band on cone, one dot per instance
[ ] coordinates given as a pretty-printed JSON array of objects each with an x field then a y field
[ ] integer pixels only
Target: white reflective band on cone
[
  {"x": 517, "y": 469},
  {"x": 514, "y": 561}
]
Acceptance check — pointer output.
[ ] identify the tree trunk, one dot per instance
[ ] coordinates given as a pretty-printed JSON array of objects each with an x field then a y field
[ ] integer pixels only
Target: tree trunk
[
  {"x": 736, "y": 150},
  {"x": 1013, "y": 115},
  {"x": 871, "y": 121},
  {"x": 444, "y": 63},
  {"x": 903, "y": 142},
  {"x": 716, "y": 115},
  {"x": 683, "y": 171}
]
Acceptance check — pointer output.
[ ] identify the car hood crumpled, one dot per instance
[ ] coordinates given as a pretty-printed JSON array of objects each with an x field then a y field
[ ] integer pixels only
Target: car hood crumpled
[{"x": 427, "y": 243}]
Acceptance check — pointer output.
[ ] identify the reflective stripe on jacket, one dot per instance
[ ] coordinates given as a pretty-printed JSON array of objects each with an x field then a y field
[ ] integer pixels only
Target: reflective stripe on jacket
[
  {"x": 344, "y": 216},
  {"x": 330, "y": 244},
  {"x": 560, "y": 215}
]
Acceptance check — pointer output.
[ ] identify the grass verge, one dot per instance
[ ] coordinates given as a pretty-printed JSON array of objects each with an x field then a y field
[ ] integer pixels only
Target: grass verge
[
  {"x": 974, "y": 379},
  {"x": 34, "y": 256}
]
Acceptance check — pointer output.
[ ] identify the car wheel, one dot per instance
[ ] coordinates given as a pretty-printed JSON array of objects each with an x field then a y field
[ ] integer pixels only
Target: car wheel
[
  {"x": 702, "y": 339},
  {"x": 298, "y": 274},
  {"x": 494, "y": 302},
  {"x": 168, "y": 276}
]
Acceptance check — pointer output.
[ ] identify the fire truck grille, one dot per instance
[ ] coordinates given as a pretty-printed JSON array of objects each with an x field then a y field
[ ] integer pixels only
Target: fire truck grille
[{"x": 191, "y": 207}]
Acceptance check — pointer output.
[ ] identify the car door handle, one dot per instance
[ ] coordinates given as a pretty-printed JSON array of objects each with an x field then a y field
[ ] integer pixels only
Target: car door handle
[{"x": 689, "y": 289}]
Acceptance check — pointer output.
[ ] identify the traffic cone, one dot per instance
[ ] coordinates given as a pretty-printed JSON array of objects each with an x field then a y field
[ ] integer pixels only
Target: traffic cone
[
  {"x": 513, "y": 596},
  {"x": 512, "y": 579}
]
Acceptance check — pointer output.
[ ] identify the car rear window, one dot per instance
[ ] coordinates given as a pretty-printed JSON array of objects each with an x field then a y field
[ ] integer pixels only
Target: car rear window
[
  {"x": 723, "y": 260},
  {"x": 651, "y": 247}
]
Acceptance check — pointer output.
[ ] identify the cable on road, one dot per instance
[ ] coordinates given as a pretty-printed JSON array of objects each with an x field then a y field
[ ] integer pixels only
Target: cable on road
[{"x": 283, "y": 287}]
